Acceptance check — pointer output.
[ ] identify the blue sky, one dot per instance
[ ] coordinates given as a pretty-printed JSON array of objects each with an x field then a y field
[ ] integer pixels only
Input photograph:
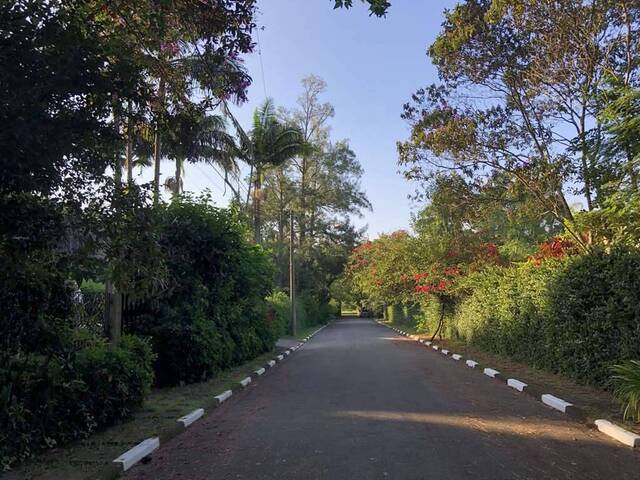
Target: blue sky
[{"x": 371, "y": 66}]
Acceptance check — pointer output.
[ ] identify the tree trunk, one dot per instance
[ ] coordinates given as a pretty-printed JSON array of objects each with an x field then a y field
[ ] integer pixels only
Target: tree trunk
[
  {"x": 117, "y": 161},
  {"x": 257, "y": 217},
  {"x": 303, "y": 202},
  {"x": 129, "y": 148},
  {"x": 281, "y": 220},
  {"x": 178, "y": 179},
  {"x": 157, "y": 153},
  {"x": 440, "y": 323}
]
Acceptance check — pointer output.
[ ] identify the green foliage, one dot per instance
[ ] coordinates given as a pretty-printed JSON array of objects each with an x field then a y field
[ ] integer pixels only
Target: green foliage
[
  {"x": 378, "y": 8},
  {"x": 309, "y": 311},
  {"x": 576, "y": 316},
  {"x": 596, "y": 319},
  {"x": 626, "y": 383},
  {"x": 46, "y": 400},
  {"x": 212, "y": 313}
]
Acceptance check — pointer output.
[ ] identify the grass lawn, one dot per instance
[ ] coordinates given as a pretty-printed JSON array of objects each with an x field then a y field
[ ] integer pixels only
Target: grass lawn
[
  {"x": 596, "y": 402},
  {"x": 159, "y": 414}
]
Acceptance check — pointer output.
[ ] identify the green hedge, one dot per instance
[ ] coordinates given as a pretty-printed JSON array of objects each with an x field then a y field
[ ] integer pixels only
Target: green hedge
[
  {"x": 213, "y": 312},
  {"x": 47, "y": 400},
  {"x": 577, "y": 316},
  {"x": 309, "y": 311}
]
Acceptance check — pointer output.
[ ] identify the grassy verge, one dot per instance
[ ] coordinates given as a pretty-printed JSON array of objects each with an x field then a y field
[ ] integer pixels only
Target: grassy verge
[
  {"x": 595, "y": 402},
  {"x": 159, "y": 414}
]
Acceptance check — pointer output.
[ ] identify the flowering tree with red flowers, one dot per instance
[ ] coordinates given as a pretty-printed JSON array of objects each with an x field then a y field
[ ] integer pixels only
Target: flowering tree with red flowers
[
  {"x": 439, "y": 282},
  {"x": 381, "y": 270}
]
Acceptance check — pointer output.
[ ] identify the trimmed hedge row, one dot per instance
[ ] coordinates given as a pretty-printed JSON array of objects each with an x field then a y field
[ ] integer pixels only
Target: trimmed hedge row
[
  {"x": 309, "y": 311},
  {"x": 577, "y": 316},
  {"x": 212, "y": 313}
]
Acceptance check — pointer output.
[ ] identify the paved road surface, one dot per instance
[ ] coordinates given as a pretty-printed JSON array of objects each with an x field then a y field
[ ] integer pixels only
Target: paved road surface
[{"x": 359, "y": 402}]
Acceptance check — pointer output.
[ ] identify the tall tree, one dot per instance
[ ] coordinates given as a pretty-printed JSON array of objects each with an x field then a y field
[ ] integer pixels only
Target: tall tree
[
  {"x": 311, "y": 117},
  {"x": 196, "y": 136},
  {"x": 519, "y": 95},
  {"x": 269, "y": 143}
]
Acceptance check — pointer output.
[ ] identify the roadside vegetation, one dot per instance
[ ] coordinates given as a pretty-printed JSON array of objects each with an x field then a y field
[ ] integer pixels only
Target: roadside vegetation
[
  {"x": 526, "y": 157},
  {"x": 112, "y": 288}
]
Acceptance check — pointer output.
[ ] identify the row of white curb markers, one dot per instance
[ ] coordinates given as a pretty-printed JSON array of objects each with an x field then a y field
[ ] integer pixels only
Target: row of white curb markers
[
  {"x": 145, "y": 448},
  {"x": 605, "y": 426}
]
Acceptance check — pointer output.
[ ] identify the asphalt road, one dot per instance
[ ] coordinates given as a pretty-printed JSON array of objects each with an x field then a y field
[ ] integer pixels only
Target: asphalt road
[{"x": 359, "y": 402}]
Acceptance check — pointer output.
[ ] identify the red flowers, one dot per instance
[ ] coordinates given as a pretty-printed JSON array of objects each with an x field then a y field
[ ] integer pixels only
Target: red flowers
[
  {"x": 420, "y": 276},
  {"x": 452, "y": 271},
  {"x": 438, "y": 287},
  {"x": 553, "y": 248}
]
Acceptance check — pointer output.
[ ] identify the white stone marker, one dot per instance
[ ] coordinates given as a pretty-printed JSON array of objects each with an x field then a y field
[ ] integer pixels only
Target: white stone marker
[
  {"x": 245, "y": 382},
  {"x": 472, "y": 364},
  {"x": 129, "y": 458},
  {"x": 271, "y": 363},
  {"x": 555, "y": 402},
  {"x": 223, "y": 396},
  {"x": 280, "y": 358},
  {"x": 490, "y": 372},
  {"x": 191, "y": 417},
  {"x": 517, "y": 384},
  {"x": 435, "y": 347},
  {"x": 260, "y": 371},
  {"x": 427, "y": 343},
  {"x": 623, "y": 436},
  {"x": 444, "y": 352},
  {"x": 456, "y": 356}
]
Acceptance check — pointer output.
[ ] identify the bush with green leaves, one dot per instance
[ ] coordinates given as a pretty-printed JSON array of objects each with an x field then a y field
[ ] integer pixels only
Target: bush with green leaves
[
  {"x": 310, "y": 311},
  {"x": 87, "y": 384},
  {"x": 626, "y": 388},
  {"x": 212, "y": 313},
  {"x": 577, "y": 316}
]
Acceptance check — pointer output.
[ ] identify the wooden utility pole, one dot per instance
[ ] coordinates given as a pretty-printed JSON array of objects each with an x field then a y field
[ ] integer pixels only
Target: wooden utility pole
[{"x": 292, "y": 278}]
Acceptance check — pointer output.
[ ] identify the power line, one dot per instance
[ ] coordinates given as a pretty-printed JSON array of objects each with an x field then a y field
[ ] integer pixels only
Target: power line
[{"x": 264, "y": 84}]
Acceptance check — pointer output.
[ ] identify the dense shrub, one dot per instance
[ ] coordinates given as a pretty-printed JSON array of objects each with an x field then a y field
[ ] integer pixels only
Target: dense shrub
[
  {"x": 309, "y": 310},
  {"x": 212, "y": 313},
  {"x": 46, "y": 400},
  {"x": 576, "y": 316},
  {"x": 595, "y": 308}
]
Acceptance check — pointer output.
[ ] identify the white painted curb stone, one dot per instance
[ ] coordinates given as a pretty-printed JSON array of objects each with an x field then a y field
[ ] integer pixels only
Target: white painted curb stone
[
  {"x": 245, "y": 381},
  {"x": 260, "y": 371},
  {"x": 435, "y": 347},
  {"x": 445, "y": 352},
  {"x": 517, "y": 384},
  {"x": 287, "y": 353},
  {"x": 456, "y": 356},
  {"x": 472, "y": 364},
  {"x": 555, "y": 402},
  {"x": 191, "y": 417},
  {"x": 614, "y": 431},
  {"x": 422, "y": 342},
  {"x": 490, "y": 372},
  {"x": 280, "y": 358},
  {"x": 427, "y": 343},
  {"x": 223, "y": 396},
  {"x": 129, "y": 458},
  {"x": 271, "y": 363}
]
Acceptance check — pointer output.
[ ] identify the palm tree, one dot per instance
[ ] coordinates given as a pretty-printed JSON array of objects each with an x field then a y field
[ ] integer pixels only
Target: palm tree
[
  {"x": 269, "y": 143},
  {"x": 194, "y": 137}
]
